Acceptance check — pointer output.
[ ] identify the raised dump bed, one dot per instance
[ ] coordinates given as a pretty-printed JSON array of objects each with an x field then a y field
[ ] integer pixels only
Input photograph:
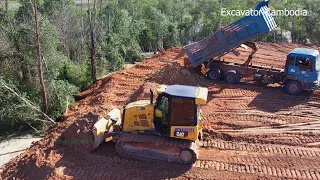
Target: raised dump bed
[{"x": 231, "y": 36}]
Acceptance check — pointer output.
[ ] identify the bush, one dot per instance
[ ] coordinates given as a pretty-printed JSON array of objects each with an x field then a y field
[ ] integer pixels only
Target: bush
[
  {"x": 60, "y": 97},
  {"x": 76, "y": 74},
  {"x": 133, "y": 55},
  {"x": 116, "y": 50},
  {"x": 115, "y": 60}
]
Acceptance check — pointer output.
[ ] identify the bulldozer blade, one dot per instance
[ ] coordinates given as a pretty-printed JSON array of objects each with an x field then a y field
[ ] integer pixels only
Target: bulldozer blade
[
  {"x": 104, "y": 126},
  {"x": 99, "y": 130}
]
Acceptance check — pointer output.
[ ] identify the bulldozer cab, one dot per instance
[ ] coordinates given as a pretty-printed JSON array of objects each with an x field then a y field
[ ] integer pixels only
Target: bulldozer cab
[{"x": 177, "y": 111}]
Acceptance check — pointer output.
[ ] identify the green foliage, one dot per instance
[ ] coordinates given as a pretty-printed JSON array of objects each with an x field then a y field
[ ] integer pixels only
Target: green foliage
[
  {"x": 60, "y": 97},
  {"x": 110, "y": 56},
  {"x": 13, "y": 112},
  {"x": 158, "y": 25},
  {"x": 77, "y": 75}
]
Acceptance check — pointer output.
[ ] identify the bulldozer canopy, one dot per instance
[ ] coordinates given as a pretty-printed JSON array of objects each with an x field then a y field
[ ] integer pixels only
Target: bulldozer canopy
[{"x": 198, "y": 93}]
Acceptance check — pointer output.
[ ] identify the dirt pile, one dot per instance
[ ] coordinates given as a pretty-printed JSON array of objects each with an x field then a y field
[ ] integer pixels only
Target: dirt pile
[
  {"x": 63, "y": 153},
  {"x": 269, "y": 54},
  {"x": 75, "y": 131}
]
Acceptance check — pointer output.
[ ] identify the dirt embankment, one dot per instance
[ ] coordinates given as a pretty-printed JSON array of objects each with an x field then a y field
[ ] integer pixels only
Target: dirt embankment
[{"x": 63, "y": 152}]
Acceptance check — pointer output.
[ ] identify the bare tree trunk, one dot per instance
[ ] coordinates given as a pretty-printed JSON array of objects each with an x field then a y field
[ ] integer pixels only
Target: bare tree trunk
[
  {"x": 93, "y": 45},
  {"x": 293, "y": 33},
  {"x": 82, "y": 32},
  {"x": 220, "y": 24},
  {"x": 109, "y": 9},
  {"x": 64, "y": 27},
  {"x": 43, "y": 88},
  {"x": 23, "y": 63},
  {"x": 94, "y": 15},
  {"x": 6, "y": 6},
  {"x": 100, "y": 8}
]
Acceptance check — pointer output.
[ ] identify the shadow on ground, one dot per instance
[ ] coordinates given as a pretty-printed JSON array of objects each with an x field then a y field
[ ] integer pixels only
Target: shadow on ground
[
  {"x": 268, "y": 99},
  {"x": 273, "y": 99}
]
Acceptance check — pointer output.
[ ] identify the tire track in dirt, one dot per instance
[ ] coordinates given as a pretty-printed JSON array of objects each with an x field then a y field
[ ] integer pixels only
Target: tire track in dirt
[
  {"x": 261, "y": 159},
  {"x": 88, "y": 173},
  {"x": 263, "y": 118},
  {"x": 292, "y": 139},
  {"x": 250, "y": 104},
  {"x": 257, "y": 100},
  {"x": 282, "y": 161},
  {"x": 312, "y": 113},
  {"x": 256, "y": 169},
  {"x": 223, "y": 120},
  {"x": 262, "y": 148},
  {"x": 223, "y": 91},
  {"x": 306, "y": 127}
]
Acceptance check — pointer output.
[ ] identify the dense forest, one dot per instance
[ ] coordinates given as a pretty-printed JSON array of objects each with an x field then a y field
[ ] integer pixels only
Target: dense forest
[{"x": 81, "y": 41}]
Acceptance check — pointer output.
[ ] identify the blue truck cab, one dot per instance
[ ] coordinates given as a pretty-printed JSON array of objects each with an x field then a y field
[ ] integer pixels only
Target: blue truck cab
[{"x": 302, "y": 70}]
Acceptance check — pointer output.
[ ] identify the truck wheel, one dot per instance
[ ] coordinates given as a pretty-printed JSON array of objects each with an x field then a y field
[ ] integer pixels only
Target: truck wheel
[
  {"x": 232, "y": 77},
  {"x": 293, "y": 87},
  {"x": 214, "y": 74},
  {"x": 184, "y": 71}
]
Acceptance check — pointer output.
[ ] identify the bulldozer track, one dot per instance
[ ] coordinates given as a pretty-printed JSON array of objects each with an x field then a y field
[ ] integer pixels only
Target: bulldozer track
[
  {"x": 256, "y": 169},
  {"x": 158, "y": 141},
  {"x": 261, "y": 148}
]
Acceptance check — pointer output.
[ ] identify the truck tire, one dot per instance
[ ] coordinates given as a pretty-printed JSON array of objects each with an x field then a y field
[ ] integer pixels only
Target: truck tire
[
  {"x": 184, "y": 71},
  {"x": 293, "y": 87},
  {"x": 232, "y": 77},
  {"x": 214, "y": 74}
]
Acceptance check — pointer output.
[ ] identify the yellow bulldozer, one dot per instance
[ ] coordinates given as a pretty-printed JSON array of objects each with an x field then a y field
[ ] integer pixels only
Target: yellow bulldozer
[{"x": 169, "y": 129}]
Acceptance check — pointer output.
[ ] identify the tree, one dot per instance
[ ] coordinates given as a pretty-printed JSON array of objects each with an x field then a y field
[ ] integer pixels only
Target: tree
[
  {"x": 158, "y": 24},
  {"x": 6, "y": 6},
  {"x": 43, "y": 87},
  {"x": 93, "y": 39},
  {"x": 82, "y": 29}
]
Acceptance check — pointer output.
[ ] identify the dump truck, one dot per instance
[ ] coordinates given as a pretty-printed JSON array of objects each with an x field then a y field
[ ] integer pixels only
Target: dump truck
[
  {"x": 301, "y": 71},
  {"x": 168, "y": 130}
]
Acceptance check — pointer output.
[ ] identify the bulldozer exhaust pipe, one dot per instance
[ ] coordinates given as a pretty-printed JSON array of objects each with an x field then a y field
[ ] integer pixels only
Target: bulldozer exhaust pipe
[{"x": 151, "y": 97}]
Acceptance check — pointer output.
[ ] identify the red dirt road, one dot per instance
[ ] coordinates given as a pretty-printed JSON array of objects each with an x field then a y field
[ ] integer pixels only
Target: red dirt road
[{"x": 253, "y": 131}]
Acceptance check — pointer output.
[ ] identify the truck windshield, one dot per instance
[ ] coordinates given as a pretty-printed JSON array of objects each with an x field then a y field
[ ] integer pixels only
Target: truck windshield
[
  {"x": 290, "y": 60},
  {"x": 304, "y": 63}
]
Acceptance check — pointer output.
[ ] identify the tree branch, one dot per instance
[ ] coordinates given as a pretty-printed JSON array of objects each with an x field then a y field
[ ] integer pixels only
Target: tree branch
[
  {"x": 27, "y": 102},
  {"x": 33, "y": 127}
]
